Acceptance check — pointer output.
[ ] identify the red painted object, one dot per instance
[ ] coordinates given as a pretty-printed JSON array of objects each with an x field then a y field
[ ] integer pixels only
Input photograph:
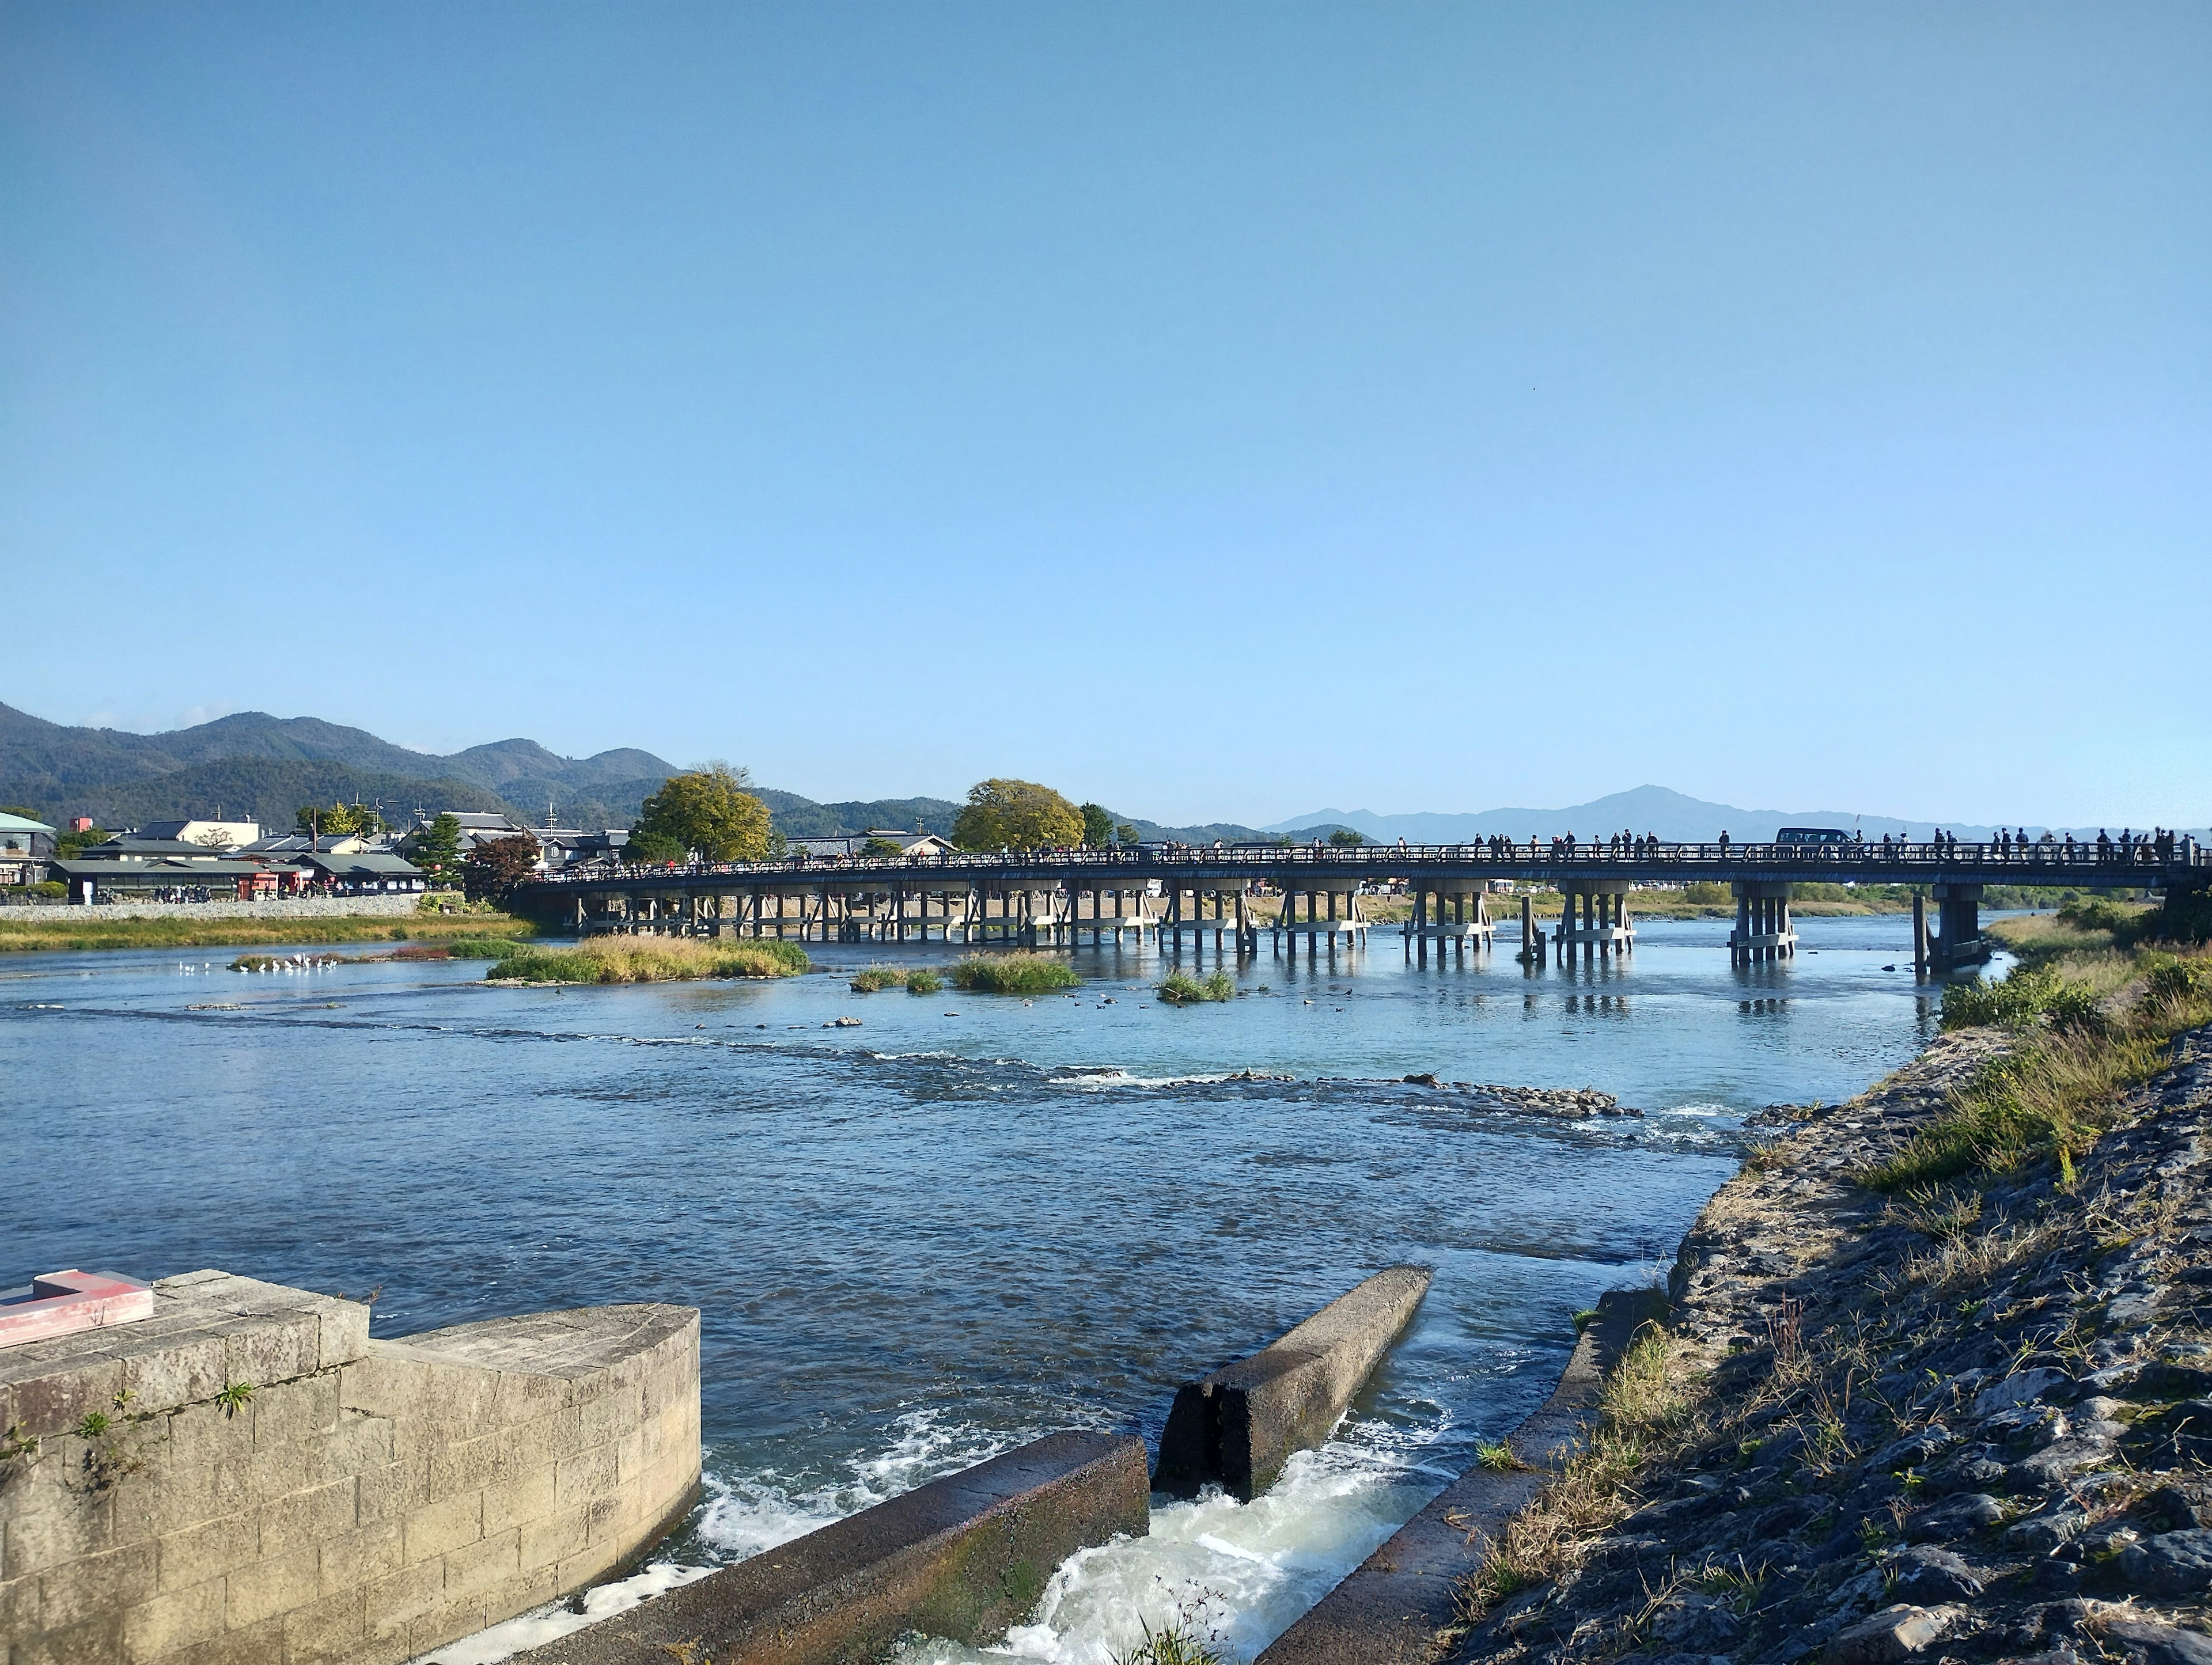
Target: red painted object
[{"x": 63, "y": 1302}]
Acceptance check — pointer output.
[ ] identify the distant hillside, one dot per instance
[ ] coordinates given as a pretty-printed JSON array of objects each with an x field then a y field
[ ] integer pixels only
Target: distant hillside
[
  {"x": 253, "y": 788},
  {"x": 106, "y": 773}
]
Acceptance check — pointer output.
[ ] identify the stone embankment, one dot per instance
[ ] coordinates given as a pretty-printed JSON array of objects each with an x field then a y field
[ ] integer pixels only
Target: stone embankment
[
  {"x": 1963, "y": 1424},
  {"x": 246, "y": 1478}
]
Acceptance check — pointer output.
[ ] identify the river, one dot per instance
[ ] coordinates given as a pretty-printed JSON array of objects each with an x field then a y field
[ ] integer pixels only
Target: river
[{"x": 967, "y": 1222}]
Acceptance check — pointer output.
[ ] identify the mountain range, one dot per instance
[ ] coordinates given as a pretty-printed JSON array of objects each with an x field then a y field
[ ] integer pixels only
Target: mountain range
[{"x": 257, "y": 767}]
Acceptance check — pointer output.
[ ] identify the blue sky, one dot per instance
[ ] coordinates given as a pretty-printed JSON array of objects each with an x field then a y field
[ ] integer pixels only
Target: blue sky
[{"x": 1217, "y": 411}]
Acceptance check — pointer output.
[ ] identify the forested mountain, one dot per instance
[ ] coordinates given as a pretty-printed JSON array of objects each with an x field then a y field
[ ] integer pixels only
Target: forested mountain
[{"x": 254, "y": 766}]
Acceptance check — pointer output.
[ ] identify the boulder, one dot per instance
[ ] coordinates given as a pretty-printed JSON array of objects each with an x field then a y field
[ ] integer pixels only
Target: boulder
[
  {"x": 1895, "y": 1634},
  {"x": 2170, "y": 1564}
]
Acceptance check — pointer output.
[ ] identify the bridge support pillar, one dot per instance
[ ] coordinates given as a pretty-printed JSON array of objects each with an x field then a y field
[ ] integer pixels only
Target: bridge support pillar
[
  {"x": 1595, "y": 918},
  {"x": 1764, "y": 931},
  {"x": 1959, "y": 941}
]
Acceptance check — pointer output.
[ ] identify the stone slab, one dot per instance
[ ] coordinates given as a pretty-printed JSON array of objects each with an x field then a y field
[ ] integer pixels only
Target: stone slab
[
  {"x": 63, "y": 1302},
  {"x": 1237, "y": 1427},
  {"x": 964, "y": 1557},
  {"x": 1388, "y": 1609}
]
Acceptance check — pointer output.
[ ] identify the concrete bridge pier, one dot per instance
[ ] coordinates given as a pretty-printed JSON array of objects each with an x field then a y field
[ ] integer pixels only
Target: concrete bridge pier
[
  {"x": 1595, "y": 918},
  {"x": 1763, "y": 931},
  {"x": 1957, "y": 940}
]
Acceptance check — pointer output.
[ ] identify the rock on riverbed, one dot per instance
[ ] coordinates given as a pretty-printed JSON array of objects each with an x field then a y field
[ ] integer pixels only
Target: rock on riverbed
[
  {"x": 1964, "y": 1425},
  {"x": 1570, "y": 1102}
]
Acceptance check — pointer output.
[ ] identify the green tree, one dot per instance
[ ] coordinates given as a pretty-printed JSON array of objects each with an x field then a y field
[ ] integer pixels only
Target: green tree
[
  {"x": 1126, "y": 833},
  {"x": 493, "y": 869},
  {"x": 437, "y": 852},
  {"x": 1016, "y": 815},
  {"x": 709, "y": 810},
  {"x": 339, "y": 820},
  {"x": 1097, "y": 824},
  {"x": 1347, "y": 838},
  {"x": 68, "y": 845},
  {"x": 881, "y": 847}
]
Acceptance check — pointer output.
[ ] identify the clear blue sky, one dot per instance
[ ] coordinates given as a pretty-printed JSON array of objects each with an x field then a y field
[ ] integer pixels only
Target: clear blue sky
[{"x": 1218, "y": 411}]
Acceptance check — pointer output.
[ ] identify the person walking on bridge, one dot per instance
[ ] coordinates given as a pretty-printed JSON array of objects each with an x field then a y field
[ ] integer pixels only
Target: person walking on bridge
[{"x": 1724, "y": 843}]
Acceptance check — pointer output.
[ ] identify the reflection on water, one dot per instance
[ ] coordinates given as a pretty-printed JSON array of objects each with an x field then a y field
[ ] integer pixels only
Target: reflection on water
[{"x": 966, "y": 1222}]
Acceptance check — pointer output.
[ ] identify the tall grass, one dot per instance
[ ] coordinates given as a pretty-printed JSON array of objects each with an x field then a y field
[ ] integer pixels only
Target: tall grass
[
  {"x": 2059, "y": 1087},
  {"x": 651, "y": 960},
  {"x": 1180, "y": 989},
  {"x": 1014, "y": 974},
  {"x": 873, "y": 978},
  {"x": 924, "y": 982}
]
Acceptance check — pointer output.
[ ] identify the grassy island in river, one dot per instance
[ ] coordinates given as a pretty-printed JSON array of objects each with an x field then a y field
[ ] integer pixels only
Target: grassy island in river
[{"x": 649, "y": 960}]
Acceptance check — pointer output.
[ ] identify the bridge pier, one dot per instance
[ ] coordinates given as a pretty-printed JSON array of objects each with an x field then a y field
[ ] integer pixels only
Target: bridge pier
[
  {"x": 1461, "y": 917},
  {"x": 1957, "y": 940},
  {"x": 1594, "y": 917},
  {"x": 1317, "y": 929},
  {"x": 1763, "y": 930}
]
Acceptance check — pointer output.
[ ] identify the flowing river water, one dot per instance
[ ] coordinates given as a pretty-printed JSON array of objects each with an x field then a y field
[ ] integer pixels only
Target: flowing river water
[{"x": 969, "y": 1221}]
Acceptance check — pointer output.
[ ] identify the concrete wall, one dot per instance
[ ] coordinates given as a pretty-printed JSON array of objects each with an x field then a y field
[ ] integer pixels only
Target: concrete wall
[
  {"x": 1239, "y": 1425},
  {"x": 371, "y": 1500},
  {"x": 1393, "y": 1607},
  {"x": 963, "y": 1557}
]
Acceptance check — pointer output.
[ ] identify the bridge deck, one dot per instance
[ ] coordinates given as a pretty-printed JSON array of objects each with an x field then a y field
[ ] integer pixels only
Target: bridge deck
[{"x": 2184, "y": 865}]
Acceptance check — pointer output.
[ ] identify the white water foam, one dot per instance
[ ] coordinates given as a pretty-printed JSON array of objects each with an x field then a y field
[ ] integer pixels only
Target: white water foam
[{"x": 1244, "y": 1572}]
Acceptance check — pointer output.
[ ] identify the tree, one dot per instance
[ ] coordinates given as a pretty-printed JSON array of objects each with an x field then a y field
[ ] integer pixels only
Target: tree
[
  {"x": 215, "y": 838},
  {"x": 494, "y": 868},
  {"x": 709, "y": 810},
  {"x": 881, "y": 847},
  {"x": 1097, "y": 824},
  {"x": 1126, "y": 833},
  {"x": 437, "y": 852},
  {"x": 1016, "y": 815},
  {"x": 1347, "y": 838},
  {"x": 340, "y": 820}
]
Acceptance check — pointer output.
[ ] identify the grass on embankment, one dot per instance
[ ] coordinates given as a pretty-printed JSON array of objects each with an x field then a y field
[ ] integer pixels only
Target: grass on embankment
[
  {"x": 649, "y": 960},
  {"x": 2093, "y": 1015},
  {"x": 1014, "y": 974},
  {"x": 84, "y": 929}
]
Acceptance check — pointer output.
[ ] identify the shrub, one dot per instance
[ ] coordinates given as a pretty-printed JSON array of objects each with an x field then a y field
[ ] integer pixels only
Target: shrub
[
  {"x": 1013, "y": 974},
  {"x": 1707, "y": 893},
  {"x": 649, "y": 960},
  {"x": 875, "y": 977},
  {"x": 480, "y": 948},
  {"x": 2025, "y": 998},
  {"x": 2124, "y": 922},
  {"x": 923, "y": 982},
  {"x": 1180, "y": 989}
]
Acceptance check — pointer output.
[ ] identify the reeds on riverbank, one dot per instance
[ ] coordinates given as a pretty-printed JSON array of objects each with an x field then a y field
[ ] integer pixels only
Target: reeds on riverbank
[
  {"x": 1014, "y": 974},
  {"x": 649, "y": 960}
]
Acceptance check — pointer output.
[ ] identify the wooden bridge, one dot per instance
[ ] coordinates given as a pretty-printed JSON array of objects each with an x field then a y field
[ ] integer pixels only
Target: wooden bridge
[{"x": 1202, "y": 895}]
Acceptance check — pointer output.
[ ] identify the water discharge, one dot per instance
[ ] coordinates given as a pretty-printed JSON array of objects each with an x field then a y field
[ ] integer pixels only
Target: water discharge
[{"x": 929, "y": 1238}]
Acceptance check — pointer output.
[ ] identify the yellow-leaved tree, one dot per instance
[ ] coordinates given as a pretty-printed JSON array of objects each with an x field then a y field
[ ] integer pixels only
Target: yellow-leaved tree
[
  {"x": 709, "y": 810},
  {"x": 1016, "y": 815}
]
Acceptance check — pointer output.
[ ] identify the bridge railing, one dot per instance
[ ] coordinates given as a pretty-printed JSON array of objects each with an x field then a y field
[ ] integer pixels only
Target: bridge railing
[{"x": 2032, "y": 860}]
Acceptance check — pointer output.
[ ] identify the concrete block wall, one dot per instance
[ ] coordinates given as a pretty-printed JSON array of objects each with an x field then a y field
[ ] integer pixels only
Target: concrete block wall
[{"x": 372, "y": 1499}]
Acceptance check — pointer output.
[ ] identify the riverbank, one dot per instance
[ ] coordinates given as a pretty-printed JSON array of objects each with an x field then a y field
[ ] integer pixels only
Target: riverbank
[
  {"x": 82, "y": 928},
  {"x": 1937, "y": 1379}
]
